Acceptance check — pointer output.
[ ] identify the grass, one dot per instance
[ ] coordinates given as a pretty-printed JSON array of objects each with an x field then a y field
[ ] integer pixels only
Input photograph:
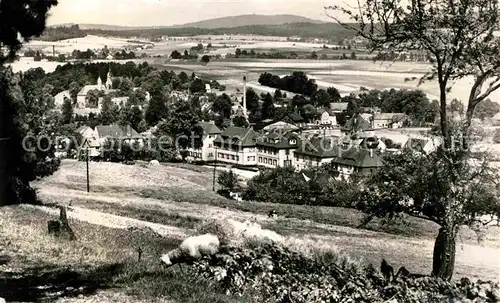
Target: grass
[{"x": 42, "y": 268}]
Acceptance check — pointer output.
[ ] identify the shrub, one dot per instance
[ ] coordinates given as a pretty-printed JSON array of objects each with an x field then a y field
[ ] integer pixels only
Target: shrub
[{"x": 273, "y": 273}]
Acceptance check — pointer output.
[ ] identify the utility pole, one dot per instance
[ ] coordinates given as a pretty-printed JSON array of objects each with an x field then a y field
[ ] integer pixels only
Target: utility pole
[
  {"x": 245, "y": 96},
  {"x": 215, "y": 166},
  {"x": 88, "y": 183}
]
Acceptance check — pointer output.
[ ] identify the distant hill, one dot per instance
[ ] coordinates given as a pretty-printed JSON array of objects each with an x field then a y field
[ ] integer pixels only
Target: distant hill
[
  {"x": 248, "y": 20},
  {"x": 331, "y": 31},
  {"x": 104, "y": 27}
]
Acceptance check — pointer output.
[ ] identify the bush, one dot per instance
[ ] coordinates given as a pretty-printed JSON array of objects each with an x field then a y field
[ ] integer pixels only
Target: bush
[{"x": 273, "y": 273}]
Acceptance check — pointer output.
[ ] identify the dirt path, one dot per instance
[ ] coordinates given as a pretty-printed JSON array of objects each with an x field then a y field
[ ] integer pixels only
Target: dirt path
[{"x": 113, "y": 221}]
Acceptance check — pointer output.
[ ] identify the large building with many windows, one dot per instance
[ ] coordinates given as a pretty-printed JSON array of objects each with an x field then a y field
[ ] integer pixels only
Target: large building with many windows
[
  {"x": 207, "y": 151},
  {"x": 237, "y": 146},
  {"x": 277, "y": 148}
]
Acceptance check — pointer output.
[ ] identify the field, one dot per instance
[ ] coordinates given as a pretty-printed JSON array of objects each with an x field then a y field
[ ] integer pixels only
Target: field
[{"x": 153, "y": 207}]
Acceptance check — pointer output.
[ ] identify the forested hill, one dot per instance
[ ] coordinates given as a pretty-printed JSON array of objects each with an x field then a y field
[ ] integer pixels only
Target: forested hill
[
  {"x": 330, "y": 31},
  {"x": 248, "y": 20},
  {"x": 62, "y": 33}
]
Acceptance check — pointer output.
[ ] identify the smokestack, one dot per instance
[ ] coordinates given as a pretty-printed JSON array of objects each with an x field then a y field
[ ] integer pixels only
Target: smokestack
[{"x": 245, "y": 96}]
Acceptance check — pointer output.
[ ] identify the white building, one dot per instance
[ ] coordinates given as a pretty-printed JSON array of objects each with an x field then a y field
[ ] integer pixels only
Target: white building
[
  {"x": 237, "y": 145},
  {"x": 207, "y": 151}
]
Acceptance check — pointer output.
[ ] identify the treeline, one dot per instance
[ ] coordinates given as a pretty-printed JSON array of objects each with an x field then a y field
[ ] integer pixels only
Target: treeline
[
  {"x": 331, "y": 31},
  {"x": 62, "y": 33},
  {"x": 297, "y": 83}
]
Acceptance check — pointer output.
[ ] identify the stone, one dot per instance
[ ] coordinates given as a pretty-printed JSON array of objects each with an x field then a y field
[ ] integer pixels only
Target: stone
[
  {"x": 2, "y": 300},
  {"x": 154, "y": 163}
]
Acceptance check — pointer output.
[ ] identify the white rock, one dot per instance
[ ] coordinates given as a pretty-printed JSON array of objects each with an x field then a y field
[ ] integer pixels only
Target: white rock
[
  {"x": 154, "y": 162},
  {"x": 2, "y": 300}
]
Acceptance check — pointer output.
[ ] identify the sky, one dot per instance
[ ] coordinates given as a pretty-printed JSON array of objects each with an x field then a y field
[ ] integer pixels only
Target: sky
[{"x": 172, "y": 12}]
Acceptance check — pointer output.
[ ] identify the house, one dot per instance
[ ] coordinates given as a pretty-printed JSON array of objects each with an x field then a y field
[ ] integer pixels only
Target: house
[
  {"x": 60, "y": 97},
  {"x": 208, "y": 90},
  {"x": 237, "y": 145},
  {"x": 81, "y": 98},
  {"x": 421, "y": 144},
  {"x": 279, "y": 125},
  {"x": 338, "y": 107},
  {"x": 357, "y": 160},
  {"x": 125, "y": 134},
  {"x": 389, "y": 120},
  {"x": 207, "y": 150},
  {"x": 276, "y": 148},
  {"x": 89, "y": 141},
  {"x": 327, "y": 118},
  {"x": 357, "y": 125},
  {"x": 315, "y": 152}
]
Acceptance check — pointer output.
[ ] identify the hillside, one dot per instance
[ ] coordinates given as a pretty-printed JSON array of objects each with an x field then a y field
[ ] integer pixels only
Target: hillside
[
  {"x": 248, "y": 20},
  {"x": 331, "y": 31}
]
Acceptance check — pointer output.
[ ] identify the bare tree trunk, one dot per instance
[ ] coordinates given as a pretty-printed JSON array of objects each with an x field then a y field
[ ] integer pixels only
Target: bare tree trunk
[{"x": 444, "y": 253}]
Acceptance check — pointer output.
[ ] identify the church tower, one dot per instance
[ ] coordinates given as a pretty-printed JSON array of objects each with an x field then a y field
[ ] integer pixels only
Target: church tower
[
  {"x": 99, "y": 82},
  {"x": 109, "y": 82}
]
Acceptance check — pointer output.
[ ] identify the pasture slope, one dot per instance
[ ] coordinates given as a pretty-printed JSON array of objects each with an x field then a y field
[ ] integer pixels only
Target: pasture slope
[{"x": 153, "y": 207}]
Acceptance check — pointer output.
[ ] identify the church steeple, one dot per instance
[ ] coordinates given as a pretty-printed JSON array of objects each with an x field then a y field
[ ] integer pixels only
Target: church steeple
[
  {"x": 99, "y": 81},
  {"x": 109, "y": 82}
]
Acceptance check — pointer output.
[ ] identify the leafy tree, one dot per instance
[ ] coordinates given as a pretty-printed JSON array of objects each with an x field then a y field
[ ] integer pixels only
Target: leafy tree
[
  {"x": 314, "y": 55},
  {"x": 486, "y": 109},
  {"x": 157, "y": 109},
  {"x": 309, "y": 112},
  {"x": 197, "y": 86},
  {"x": 334, "y": 94},
  {"x": 138, "y": 97},
  {"x": 133, "y": 116},
  {"x": 353, "y": 56},
  {"x": 228, "y": 180},
  {"x": 183, "y": 77},
  {"x": 238, "y": 53},
  {"x": 252, "y": 100},
  {"x": 268, "y": 108},
  {"x": 176, "y": 55},
  {"x": 458, "y": 37},
  {"x": 205, "y": 59},
  {"x": 193, "y": 76},
  {"x": 67, "y": 111},
  {"x": 278, "y": 95},
  {"x": 222, "y": 105},
  {"x": 19, "y": 20},
  {"x": 183, "y": 126},
  {"x": 93, "y": 98},
  {"x": 109, "y": 111},
  {"x": 74, "y": 89},
  {"x": 321, "y": 98},
  {"x": 126, "y": 86},
  {"x": 240, "y": 121}
]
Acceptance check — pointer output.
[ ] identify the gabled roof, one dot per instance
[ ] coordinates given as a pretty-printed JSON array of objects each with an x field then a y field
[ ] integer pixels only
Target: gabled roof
[
  {"x": 393, "y": 117},
  {"x": 328, "y": 111},
  {"x": 116, "y": 131},
  {"x": 358, "y": 123},
  {"x": 210, "y": 128},
  {"x": 82, "y": 128},
  {"x": 239, "y": 136},
  {"x": 279, "y": 140},
  {"x": 321, "y": 147},
  {"x": 359, "y": 157}
]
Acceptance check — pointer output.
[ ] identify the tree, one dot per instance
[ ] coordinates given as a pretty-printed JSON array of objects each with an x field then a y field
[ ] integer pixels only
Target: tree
[
  {"x": 353, "y": 56},
  {"x": 67, "y": 111},
  {"x": 240, "y": 121},
  {"x": 334, "y": 94},
  {"x": 183, "y": 126},
  {"x": 183, "y": 77},
  {"x": 38, "y": 56},
  {"x": 109, "y": 111},
  {"x": 19, "y": 20},
  {"x": 133, "y": 116},
  {"x": 205, "y": 59},
  {"x": 238, "y": 53},
  {"x": 93, "y": 98},
  {"x": 268, "y": 108},
  {"x": 252, "y": 100},
  {"x": 197, "y": 86},
  {"x": 157, "y": 109},
  {"x": 486, "y": 109},
  {"x": 74, "y": 89},
  {"x": 321, "y": 98},
  {"x": 278, "y": 95},
  {"x": 126, "y": 86},
  {"x": 176, "y": 55},
  {"x": 458, "y": 37},
  {"x": 228, "y": 180},
  {"x": 222, "y": 105}
]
